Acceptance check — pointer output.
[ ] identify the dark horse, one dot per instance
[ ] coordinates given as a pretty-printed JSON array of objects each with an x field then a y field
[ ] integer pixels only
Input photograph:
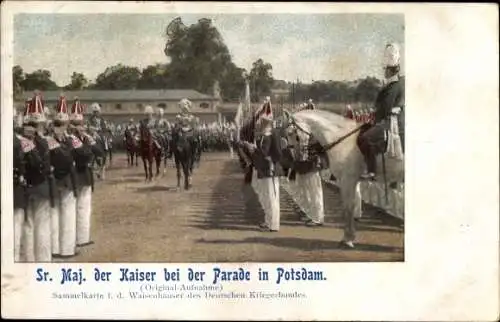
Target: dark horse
[
  {"x": 184, "y": 149},
  {"x": 150, "y": 151},
  {"x": 132, "y": 147}
]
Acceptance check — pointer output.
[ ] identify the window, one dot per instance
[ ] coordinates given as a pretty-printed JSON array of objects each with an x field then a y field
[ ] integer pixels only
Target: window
[
  {"x": 162, "y": 105},
  {"x": 118, "y": 106},
  {"x": 204, "y": 105},
  {"x": 139, "y": 106}
]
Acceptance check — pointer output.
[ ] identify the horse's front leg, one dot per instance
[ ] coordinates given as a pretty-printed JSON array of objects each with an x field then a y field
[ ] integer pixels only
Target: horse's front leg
[
  {"x": 150, "y": 169},
  {"x": 158, "y": 164},
  {"x": 178, "y": 166},
  {"x": 110, "y": 157},
  {"x": 145, "y": 163},
  {"x": 187, "y": 175},
  {"x": 349, "y": 200}
]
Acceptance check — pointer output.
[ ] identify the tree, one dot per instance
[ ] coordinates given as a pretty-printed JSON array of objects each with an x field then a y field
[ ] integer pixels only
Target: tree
[
  {"x": 198, "y": 55},
  {"x": 367, "y": 89},
  {"x": 39, "y": 79},
  {"x": 17, "y": 80},
  {"x": 78, "y": 82},
  {"x": 153, "y": 77},
  {"x": 118, "y": 77},
  {"x": 233, "y": 83},
  {"x": 261, "y": 79}
]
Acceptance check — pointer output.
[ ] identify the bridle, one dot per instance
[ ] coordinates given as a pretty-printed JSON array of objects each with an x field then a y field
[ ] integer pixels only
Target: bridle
[{"x": 329, "y": 146}]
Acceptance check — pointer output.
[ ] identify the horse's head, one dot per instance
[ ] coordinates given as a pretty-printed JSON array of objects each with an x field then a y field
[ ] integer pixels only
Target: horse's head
[{"x": 298, "y": 135}]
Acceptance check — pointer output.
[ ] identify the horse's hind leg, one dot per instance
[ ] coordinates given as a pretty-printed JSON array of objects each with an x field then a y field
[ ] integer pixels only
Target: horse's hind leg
[
  {"x": 178, "y": 166},
  {"x": 187, "y": 175},
  {"x": 150, "y": 169},
  {"x": 158, "y": 164},
  {"x": 144, "y": 162}
]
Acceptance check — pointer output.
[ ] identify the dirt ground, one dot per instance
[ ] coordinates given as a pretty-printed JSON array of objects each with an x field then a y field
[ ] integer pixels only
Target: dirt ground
[{"x": 216, "y": 221}]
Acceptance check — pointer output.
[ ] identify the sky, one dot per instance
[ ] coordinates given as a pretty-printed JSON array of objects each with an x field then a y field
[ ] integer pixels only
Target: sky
[{"x": 305, "y": 47}]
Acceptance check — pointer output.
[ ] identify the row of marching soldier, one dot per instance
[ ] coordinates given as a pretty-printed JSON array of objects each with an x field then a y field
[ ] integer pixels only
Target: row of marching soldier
[{"x": 53, "y": 182}]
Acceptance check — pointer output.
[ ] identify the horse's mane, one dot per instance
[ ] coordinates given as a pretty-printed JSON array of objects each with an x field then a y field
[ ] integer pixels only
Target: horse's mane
[{"x": 329, "y": 121}]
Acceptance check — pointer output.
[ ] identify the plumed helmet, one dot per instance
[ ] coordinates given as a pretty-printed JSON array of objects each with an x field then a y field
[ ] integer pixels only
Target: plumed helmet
[
  {"x": 185, "y": 105},
  {"x": 392, "y": 55},
  {"x": 95, "y": 107},
  {"x": 62, "y": 110},
  {"x": 34, "y": 112},
  {"x": 148, "y": 109},
  {"x": 76, "y": 111}
]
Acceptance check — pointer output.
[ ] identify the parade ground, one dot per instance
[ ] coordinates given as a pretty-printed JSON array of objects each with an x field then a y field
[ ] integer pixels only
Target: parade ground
[{"x": 216, "y": 221}]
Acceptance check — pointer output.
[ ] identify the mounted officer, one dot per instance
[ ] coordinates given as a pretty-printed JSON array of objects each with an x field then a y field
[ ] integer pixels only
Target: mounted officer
[
  {"x": 188, "y": 123},
  {"x": 65, "y": 213},
  {"x": 84, "y": 173},
  {"x": 149, "y": 123},
  {"x": 163, "y": 129},
  {"x": 310, "y": 105},
  {"x": 390, "y": 100},
  {"x": 39, "y": 181},
  {"x": 100, "y": 129}
]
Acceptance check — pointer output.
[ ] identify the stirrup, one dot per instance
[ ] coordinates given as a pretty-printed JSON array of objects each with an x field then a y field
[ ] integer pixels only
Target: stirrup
[{"x": 368, "y": 176}]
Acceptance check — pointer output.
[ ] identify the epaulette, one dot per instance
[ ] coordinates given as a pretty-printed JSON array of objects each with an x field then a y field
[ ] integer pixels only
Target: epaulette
[
  {"x": 26, "y": 144},
  {"x": 75, "y": 142},
  {"x": 53, "y": 144}
]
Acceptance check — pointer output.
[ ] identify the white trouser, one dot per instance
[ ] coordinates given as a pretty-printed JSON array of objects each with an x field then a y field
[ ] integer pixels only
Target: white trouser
[
  {"x": 63, "y": 219},
  {"x": 269, "y": 193},
  {"x": 18, "y": 233},
  {"x": 38, "y": 231},
  {"x": 83, "y": 215},
  {"x": 311, "y": 195}
]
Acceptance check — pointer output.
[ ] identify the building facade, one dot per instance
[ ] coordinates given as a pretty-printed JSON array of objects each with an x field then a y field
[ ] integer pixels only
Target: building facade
[{"x": 121, "y": 105}]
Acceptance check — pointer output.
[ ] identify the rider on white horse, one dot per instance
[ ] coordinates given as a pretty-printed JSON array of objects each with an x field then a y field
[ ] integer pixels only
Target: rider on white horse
[{"x": 390, "y": 100}]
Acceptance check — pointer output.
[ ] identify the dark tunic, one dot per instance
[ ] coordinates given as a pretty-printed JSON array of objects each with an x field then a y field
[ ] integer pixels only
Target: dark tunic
[
  {"x": 19, "y": 170},
  {"x": 83, "y": 157},
  {"x": 267, "y": 155},
  {"x": 371, "y": 139},
  {"x": 392, "y": 95},
  {"x": 65, "y": 173}
]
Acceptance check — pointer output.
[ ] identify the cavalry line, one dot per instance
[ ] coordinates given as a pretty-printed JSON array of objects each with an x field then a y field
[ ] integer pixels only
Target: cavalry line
[{"x": 216, "y": 221}]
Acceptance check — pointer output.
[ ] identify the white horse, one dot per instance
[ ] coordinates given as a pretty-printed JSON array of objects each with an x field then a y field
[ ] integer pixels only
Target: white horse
[{"x": 337, "y": 136}]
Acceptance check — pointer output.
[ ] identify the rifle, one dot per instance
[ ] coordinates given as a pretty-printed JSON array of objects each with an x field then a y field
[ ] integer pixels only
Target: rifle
[
  {"x": 52, "y": 192},
  {"x": 73, "y": 182},
  {"x": 26, "y": 200},
  {"x": 90, "y": 173}
]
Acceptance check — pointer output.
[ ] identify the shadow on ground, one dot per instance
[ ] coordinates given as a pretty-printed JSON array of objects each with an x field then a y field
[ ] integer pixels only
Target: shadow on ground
[{"x": 232, "y": 204}]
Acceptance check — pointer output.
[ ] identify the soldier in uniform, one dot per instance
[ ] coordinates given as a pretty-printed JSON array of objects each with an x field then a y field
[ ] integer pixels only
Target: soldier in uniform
[
  {"x": 39, "y": 185},
  {"x": 85, "y": 175},
  {"x": 100, "y": 127},
  {"x": 188, "y": 123},
  {"x": 266, "y": 155},
  {"x": 64, "y": 214},
  {"x": 22, "y": 148},
  {"x": 390, "y": 99},
  {"x": 349, "y": 112},
  {"x": 310, "y": 105}
]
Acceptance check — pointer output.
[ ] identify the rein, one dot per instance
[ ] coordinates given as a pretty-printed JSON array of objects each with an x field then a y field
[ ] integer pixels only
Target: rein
[{"x": 334, "y": 143}]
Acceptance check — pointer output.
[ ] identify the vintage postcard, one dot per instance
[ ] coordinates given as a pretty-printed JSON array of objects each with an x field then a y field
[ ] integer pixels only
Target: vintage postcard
[{"x": 249, "y": 161}]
